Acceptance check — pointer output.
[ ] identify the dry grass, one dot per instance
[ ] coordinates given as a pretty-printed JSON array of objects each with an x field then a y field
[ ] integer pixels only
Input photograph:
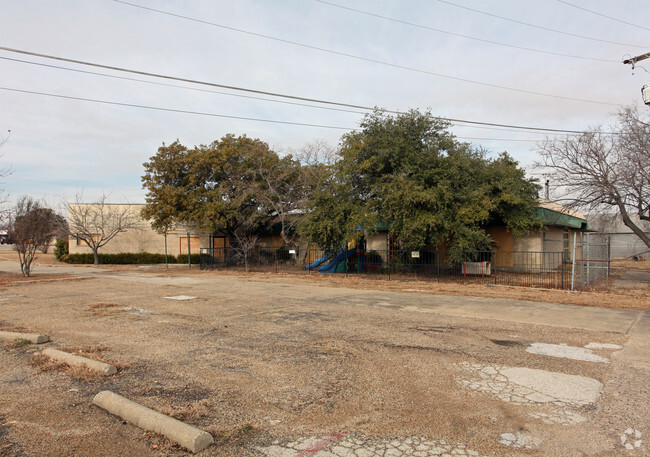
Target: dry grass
[
  {"x": 188, "y": 412},
  {"x": 46, "y": 364},
  {"x": 13, "y": 328},
  {"x": 632, "y": 264},
  {"x": 17, "y": 343},
  {"x": 105, "y": 309}
]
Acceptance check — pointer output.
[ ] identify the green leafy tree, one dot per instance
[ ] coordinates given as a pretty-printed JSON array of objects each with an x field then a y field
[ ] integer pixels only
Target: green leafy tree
[
  {"x": 409, "y": 172},
  {"x": 167, "y": 179},
  {"x": 216, "y": 187}
]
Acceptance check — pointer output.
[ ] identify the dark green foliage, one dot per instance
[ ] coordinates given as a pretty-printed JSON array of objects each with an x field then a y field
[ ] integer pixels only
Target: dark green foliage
[
  {"x": 140, "y": 258},
  {"x": 194, "y": 258},
  {"x": 410, "y": 173},
  {"x": 60, "y": 248},
  {"x": 215, "y": 188}
]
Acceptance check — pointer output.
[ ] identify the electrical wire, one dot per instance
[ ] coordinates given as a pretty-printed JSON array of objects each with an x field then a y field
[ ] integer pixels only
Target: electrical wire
[
  {"x": 412, "y": 24},
  {"x": 273, "y": 94},
  {"x": 367, "y": 59},
  {"x": 94, "y": 73},
  {"x": 603, "y": 15},
  {"x": 226, "y": 116},
  {"x": 575, "y": 35},
  {"x": 157, "y": 108}
]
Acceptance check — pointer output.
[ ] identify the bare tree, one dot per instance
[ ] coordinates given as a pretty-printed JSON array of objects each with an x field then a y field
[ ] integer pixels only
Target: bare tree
[
  {"x": 600, "y": 171},
  {"x": 245, "y": 243},
  {"x": 32, "y": 226},
  {"x": 97, "y": 223},
  {"x": 278, "y": 179},
  {"x": 316, "y": 158}
]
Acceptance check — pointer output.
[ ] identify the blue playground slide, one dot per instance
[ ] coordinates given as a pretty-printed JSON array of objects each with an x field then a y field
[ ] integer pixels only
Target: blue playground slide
[
  {"x": 331, "y": 267},
  {"x": 325, "y": 258}
]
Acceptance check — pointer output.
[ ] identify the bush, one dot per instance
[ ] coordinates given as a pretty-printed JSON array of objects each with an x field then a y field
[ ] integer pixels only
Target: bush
[
  {"x": 78, "y": 258},
  {"x": 140, "y": 258},
  {"x": 60, "y": 248},
  {"x": 194, "y": 258}
]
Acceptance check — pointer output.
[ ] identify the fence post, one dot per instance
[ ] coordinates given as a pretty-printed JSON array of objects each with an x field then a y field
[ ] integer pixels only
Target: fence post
[
  {"x": 573, "y": 266},
  {"x": 609, "y": 260},
  {"x": 189, "y": 258}
]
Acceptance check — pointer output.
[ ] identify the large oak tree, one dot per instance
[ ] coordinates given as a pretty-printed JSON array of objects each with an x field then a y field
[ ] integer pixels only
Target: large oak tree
[
  {"x": 228, "y": 186},
  {"x": 408, "y": 172}
]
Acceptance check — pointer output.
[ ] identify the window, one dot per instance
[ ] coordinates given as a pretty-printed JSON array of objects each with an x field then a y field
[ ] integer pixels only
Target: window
[{"x": 565, "y": 245}]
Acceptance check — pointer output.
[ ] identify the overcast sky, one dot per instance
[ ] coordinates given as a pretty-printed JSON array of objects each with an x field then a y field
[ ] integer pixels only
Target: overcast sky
[{"x": 425, "y": 54}]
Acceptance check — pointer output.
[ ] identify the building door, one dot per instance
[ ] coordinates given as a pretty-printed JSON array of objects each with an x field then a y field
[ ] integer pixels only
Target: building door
[
  {"x": 220, "y": 245},
  {"x": 195, "y": 244}
]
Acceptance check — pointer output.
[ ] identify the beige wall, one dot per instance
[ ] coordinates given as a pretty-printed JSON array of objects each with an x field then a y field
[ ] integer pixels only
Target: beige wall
[
  {"x": 377, "y": 242},
  {"x": 143, "y": 238}
]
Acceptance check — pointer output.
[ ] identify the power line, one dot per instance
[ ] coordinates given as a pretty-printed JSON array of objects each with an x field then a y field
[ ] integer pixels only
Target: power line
[
  {"x": 541, "y": 27},
  {"x": 94, "y": 73},
  {"x": 273, "y": 94},
  {"x": 412, "y": 24},
  {"x": 200, "y": 113},
  {"x": 603, "y": 15},
  {"x": 367, "y": 59},
  {"x": 157, "y": 108}
]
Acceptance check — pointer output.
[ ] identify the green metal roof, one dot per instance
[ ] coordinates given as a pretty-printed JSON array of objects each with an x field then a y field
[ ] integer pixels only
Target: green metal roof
[{"x": 554, "y": 218}]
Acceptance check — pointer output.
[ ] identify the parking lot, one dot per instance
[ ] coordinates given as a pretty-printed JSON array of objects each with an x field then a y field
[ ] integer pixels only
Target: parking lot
[{"x": 280, "y": 366}]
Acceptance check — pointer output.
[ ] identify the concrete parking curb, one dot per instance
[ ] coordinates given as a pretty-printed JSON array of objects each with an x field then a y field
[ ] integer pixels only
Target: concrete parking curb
[
  {"x": 31, "y": 337},
  {"x": 72, "y": 359},
  {"x": 189, "y": 437}
]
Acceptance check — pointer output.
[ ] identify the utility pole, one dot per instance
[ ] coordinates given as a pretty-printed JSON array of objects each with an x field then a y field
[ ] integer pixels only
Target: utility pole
[
  {"x": 632, "y": 61},
  {"x": 645, "y": 90}
]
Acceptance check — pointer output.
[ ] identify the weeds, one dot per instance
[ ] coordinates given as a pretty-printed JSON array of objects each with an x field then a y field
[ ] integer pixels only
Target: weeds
[
  {"x": 104, "y": 309},
  {"x": 225, "y": 436},
  {"x": 17, "y": 343}
]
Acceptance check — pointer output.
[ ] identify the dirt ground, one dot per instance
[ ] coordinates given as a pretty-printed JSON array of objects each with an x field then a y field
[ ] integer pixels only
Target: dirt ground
[
  {"x": 262, "y": 359},
  {"x": 636, "y": 296}
]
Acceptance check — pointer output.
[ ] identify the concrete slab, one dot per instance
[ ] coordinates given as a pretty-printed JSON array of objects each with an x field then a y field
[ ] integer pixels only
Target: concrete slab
[
  {"x": 565, "y": 352},
  {"x": 560, "y": 394}
]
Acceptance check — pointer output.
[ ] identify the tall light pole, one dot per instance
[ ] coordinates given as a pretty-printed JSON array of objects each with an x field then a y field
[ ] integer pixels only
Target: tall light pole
[{"x": 645, "y": 90}]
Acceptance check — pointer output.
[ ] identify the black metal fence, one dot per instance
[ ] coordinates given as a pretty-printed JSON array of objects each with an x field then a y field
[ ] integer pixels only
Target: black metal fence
[{"x": 513, "y": 268}]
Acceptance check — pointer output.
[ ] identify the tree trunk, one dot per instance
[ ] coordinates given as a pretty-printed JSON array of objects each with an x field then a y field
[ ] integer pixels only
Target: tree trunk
[
  {"x": 96, "y": 256},
  {"x": 630, "y": 223}
]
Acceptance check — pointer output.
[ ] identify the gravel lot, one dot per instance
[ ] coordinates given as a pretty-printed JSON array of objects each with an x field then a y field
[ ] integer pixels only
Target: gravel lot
[{"x": 282, "y": 366}]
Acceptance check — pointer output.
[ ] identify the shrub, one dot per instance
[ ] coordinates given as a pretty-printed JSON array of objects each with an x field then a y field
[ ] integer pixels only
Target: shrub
[
  {"x": 194, "y": 258},
  {"x": 60, "y": 248},
  {"x": 139, "y": 258}
]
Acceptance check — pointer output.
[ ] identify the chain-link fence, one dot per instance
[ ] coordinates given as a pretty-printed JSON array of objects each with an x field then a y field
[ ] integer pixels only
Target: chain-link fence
[{"x": 591, "y": 262}]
